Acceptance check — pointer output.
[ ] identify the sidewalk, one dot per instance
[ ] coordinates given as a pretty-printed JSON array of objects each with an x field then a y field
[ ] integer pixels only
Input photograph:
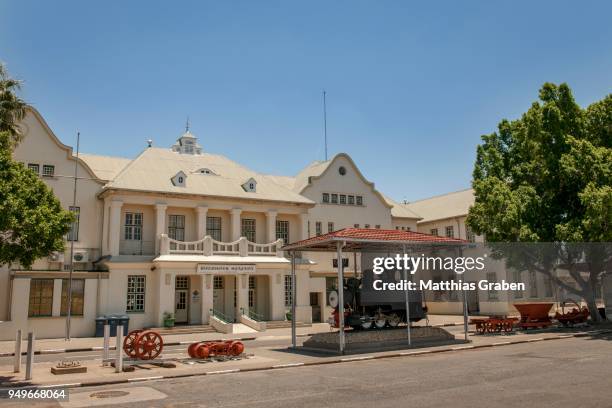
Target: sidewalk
[
  {"x": 51, "y": 346},
  {"x": 261, "y": 358}
]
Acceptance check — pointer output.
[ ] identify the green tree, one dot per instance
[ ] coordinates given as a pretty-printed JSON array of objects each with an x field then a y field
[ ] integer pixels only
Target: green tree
[
  {"x": 547, "y": 177},
  {"x": 12, "y": 107},
  {"x": 32, "y": 221}
]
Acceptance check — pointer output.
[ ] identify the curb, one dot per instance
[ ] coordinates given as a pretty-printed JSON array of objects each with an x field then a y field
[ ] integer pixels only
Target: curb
[{"x": 415, "y": 353}]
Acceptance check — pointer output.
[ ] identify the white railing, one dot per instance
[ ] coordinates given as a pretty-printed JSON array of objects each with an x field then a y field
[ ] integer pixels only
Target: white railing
[{"x": 209, "y": 246}]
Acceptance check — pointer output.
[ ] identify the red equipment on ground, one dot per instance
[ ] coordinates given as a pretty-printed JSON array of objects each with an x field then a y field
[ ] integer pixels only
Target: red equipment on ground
[
  {"x": 494, "y": 324},
  {"x": 207, "y": 349},
  {"x": 576, "y": 315},
  {"x": 534, "y": 315},
  {"x": 143, "y": 344}
]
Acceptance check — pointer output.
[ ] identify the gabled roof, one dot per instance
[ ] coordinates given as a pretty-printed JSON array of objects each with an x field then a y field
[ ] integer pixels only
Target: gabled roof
[
  {"x": 359, "y": 238},
  {"x": 400, "y": 211},
  {"x": 154, "y": 167},
  {"x": 456, "y": 204},
  {"x": 104, "y": 167}
]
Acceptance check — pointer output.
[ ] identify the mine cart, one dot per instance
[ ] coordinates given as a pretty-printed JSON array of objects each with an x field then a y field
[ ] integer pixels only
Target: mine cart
[
  {"x": 534, "y": 315},
  {"x": 494, "y": 324},
  {"x": 571, "y": 317}
]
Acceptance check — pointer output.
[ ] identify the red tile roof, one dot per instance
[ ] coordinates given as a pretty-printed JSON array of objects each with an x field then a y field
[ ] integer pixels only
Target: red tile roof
[{"x": 368, "y": 235}]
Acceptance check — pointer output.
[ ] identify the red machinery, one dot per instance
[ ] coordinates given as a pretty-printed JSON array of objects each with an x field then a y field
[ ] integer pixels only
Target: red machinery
[
  {"x": 576, "y": 315},
  {"x": 534, "y": 315},
  {"x": 143, "y": 344},
  {"x": 215, "y": 348},
  {"x": 494, "y": 324}
]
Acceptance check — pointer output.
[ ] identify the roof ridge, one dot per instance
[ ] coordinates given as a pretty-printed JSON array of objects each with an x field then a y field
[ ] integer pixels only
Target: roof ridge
[
  {"x": 437, "y": 196},
  {"x": 104, "y": 155}
]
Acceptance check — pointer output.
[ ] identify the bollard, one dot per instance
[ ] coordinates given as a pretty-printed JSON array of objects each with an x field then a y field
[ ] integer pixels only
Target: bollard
[
  {"x": 119, "y": 350},
  {"x": 30, "y": 357},
  {"x": 105, "y": 353},
  {"x": 18, "y": 352}
]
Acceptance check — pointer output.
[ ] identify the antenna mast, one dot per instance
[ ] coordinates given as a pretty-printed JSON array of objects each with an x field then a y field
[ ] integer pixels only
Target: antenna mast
[{"x": 325, "y": 122}]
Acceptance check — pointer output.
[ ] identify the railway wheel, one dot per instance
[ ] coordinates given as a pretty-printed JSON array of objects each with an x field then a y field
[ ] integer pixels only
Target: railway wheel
[
  {"x": 508, "y": 327},
  {"x": 129, "y": 346},
  {"x": 394, "y": 320},
  {"x": 367, "y": 325},
  {"x": 149, "y": 345},
  {"x": 380, "y": 321},
  {"x": 191, "y": 349},
  {"x": 201, "y": 350}
]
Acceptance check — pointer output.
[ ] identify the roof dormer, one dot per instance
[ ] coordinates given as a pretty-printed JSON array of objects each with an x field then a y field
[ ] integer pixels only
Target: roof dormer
[
  {"x": 180, "y": 179},
  {"x": 250, "y": 186},
  {"x": 206, "y": 171}
]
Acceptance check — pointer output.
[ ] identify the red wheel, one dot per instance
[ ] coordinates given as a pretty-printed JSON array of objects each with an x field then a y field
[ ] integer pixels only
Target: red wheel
[
  {"x": 149, "y": 345},
  {"x": 191, "y": 349},
  {"x": 236, "y": 348},
  {"x": 202, "y": 351},
  {"x": 508, "y": 327},
  {"x": 129, "y": 346}
]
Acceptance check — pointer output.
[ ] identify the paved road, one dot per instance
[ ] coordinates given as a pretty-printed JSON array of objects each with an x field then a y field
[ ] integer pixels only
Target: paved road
[{"x": 574, "y": 372}]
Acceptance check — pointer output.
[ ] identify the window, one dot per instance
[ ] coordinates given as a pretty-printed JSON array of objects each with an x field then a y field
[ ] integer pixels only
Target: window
[
  {"x": 282, "y": 230},
  {"x": 48, "y": 170},
  {"x": 351, "y": 200},
  {"x": 136, "y": 293},
  {"x": 334, "y": 198},
  {"x": 326, "y": 197},
  {"x": 359, "y": 200},
  {"x": 342, "y": 170},
  {"x": 492, "y": 278},
  {"x": 533, "y": 284},
  {"x": 213, "y": 227},
  {"x": 450, "y": 231},
  {"x": 218, "y": 282},
  {"x": 133, "y": 227},
  {"x": 343, "y": 199},
  {"x": 356, "y": 225},
  {"x": 434, "y": 231},
  {"x": 396, "y": 227},
  {"x": 247, "y": 228},
  {"x": 469, "y": 234},
  {"x": 377, "y": 226},
  {"x": 34, "y": 167},
  {"x": 181, "y": 282},
  {"x": 176, "y": 227},
  {"x": 77, "y": 298},
  {"x": 330, "y": 227},
  {"x": 366, "y": 225},
  {"x": 251, "y": 291},
  {"x": 73, "y": 234},
  {"x": 288, "y": 288},
  {"x": 41, "y": 297},
  {"x": 518, "y": 294},
  {"x": 318, "y": 228}
]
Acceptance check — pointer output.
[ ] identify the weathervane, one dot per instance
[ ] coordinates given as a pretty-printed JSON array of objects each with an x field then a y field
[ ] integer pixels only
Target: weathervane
[{"x": 187, "y": 125}]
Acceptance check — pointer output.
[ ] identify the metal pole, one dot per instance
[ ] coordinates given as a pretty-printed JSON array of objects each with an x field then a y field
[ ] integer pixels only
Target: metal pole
[
  {"x": 293, "y": 298},
  {"x": 407, "y": 298},
  {"x": 340, "y": 300},
  {"x": 325, "y": 122},
  {"x": 18, "y": 352},
  {"x": 465, "y": 307},
  {"x": 72, "y": 237},
  {"x": 105, "y": 354},
  {"x": 30, "y": 357},
  {"x": 119, "y": 350}
]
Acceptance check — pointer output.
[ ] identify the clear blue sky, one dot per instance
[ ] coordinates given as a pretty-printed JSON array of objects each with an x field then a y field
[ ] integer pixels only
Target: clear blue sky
[{"x": 411, "y": 85}]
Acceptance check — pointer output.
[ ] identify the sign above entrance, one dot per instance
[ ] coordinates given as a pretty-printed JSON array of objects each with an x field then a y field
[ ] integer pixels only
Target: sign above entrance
[{"x": 226, "y": 268}]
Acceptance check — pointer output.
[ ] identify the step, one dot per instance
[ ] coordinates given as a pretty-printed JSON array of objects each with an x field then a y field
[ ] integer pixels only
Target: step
[
  {"x": 184, "y": 329},
  {"x": 280, "y": 324}
]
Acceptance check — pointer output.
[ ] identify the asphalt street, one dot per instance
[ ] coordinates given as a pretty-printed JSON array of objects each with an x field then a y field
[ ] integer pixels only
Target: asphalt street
[{"x": 574, "y": 372}]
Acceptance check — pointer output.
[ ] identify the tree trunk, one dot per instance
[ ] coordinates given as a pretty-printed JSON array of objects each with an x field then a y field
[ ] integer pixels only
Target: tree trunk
[{"x": 589, "y": 298}]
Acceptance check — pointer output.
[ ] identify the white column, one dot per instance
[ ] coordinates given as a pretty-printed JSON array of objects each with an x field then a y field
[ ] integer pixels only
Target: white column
[
  {"x": 271, "y": 222},
  {"x": 201, "y": 213},
  {"x": 57, "y": 297},
  {"x": 207, "y": 297},
  {"x": 160, "y": 224},
  {"x": 242, "y": 294},
  {"x": 114, "y": 233},
  {"x": 303, "y": 226},
  {"x": 277, "y": 295},
  {"x": 236, "y": 223}
]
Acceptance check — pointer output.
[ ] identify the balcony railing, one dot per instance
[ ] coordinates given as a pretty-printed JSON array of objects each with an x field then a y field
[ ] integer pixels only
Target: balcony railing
[
  {"x": 208, "y": 246},
  {"x": 133, "y": 247}
]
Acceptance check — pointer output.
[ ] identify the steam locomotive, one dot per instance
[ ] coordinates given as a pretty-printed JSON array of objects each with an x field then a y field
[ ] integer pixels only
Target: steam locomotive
[{"x": 365, "y": 308}]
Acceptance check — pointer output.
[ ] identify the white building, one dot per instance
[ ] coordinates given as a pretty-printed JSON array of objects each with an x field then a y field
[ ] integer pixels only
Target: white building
[{"x": 180, "y": 230}]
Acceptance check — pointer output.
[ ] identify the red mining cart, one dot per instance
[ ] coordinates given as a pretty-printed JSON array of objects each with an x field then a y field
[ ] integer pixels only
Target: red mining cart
[
  {"x": 205, "y": 349},
  {"x": 534, "y": 315},
  {"x": 494, "y": 324},
  {"x": 576, "y": 315}
]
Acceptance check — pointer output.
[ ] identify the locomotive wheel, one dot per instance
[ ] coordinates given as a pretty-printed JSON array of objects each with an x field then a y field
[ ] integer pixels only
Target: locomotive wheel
[
  {"x": 394, "y": 320},
  {"x": 129, "y": 347},
  {"x": 481, "y": 328},
  {"x": 380, "y": 321},
  {"x": 149, "y": 345},
  {"x": 236, "y": 348},
  {"x": 367, "y": 325},
  {"x": 201, "y": 351},
  {"x": 191, "y": 349},
  {"x": 508, "y": 327}
]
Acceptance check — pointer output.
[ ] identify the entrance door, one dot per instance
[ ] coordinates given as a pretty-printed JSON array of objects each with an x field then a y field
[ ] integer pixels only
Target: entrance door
[
  {"x": 316, "y": 307},
  {"x": 181, "y": 299},
  {"x": 473, "y": 305}
]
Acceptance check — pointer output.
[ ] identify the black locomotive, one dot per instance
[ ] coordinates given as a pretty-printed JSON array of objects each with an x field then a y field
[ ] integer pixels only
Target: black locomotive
[{"x": 366, "y": 308}]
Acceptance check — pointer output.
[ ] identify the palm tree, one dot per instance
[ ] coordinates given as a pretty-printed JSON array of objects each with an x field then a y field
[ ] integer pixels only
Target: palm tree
[{"x": 12, "y": 107}]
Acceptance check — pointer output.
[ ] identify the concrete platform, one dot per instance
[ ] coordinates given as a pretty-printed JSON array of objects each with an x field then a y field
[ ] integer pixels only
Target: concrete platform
[{"x": 379, "y": 340}]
